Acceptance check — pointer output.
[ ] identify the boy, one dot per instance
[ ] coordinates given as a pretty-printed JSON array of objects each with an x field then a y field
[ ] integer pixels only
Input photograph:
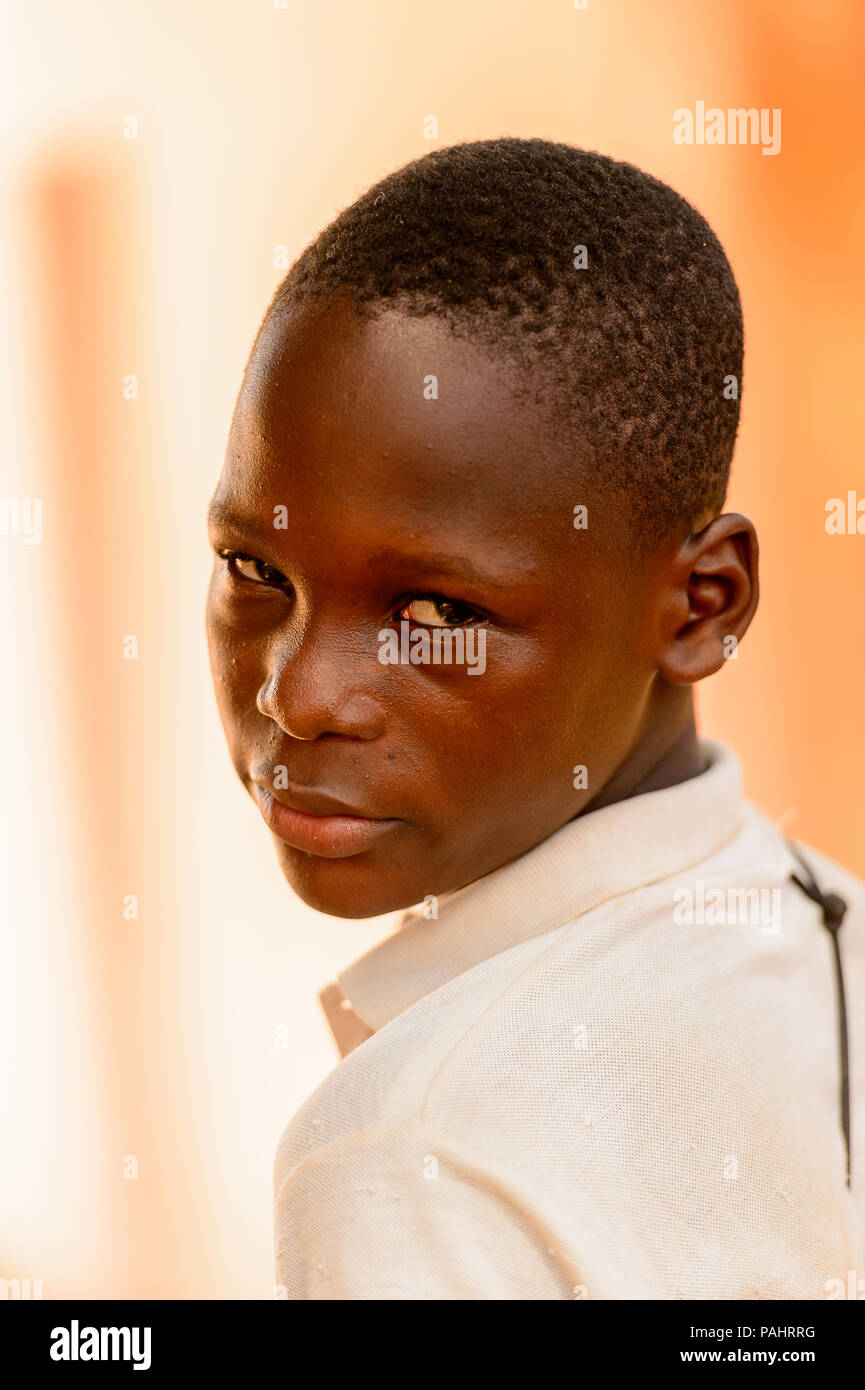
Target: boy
[{"x": 490, "y": 413}]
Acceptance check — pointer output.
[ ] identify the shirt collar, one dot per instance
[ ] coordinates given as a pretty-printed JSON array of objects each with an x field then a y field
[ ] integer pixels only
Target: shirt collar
[{"x": 600, "y": 855}]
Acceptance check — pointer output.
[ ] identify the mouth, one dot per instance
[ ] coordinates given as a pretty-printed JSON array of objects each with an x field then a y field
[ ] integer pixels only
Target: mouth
[{"x": 320, "y": 825}]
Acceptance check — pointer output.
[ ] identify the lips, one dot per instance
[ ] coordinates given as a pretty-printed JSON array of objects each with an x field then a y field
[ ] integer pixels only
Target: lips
[{"x": 319, "y": 824}]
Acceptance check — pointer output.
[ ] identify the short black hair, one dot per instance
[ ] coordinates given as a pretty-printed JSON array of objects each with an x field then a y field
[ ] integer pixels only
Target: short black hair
[{"x": 634, "y": 352}]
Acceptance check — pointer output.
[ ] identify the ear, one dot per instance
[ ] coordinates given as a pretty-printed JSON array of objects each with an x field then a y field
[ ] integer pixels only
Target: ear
[{"x": 712, "y": 592}]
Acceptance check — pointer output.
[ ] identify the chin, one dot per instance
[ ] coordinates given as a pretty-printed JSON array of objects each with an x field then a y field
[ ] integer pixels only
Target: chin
[{"x": 355, "y": 887}]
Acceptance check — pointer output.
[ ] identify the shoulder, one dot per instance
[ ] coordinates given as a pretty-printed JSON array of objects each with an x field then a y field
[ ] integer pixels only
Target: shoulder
[{"x": 399, "y": 1212}]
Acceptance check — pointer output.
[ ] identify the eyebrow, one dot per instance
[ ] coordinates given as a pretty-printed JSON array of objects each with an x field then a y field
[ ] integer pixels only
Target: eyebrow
[
  {"x": 434, "y": 562},
  {"x": 220, "y": 515}
]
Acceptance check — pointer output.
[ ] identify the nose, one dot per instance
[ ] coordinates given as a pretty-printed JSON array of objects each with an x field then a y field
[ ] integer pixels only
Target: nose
[{"x": 321, "y": 683}]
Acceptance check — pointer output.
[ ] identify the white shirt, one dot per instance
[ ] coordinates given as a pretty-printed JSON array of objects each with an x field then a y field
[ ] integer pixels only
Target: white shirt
[{"x": 595, "y": 1075}]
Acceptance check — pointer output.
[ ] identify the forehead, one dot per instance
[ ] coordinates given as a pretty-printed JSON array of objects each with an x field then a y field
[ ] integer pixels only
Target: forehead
[
  {"x": 395, "y": 409},
  {"x": 395, "y": 427}
]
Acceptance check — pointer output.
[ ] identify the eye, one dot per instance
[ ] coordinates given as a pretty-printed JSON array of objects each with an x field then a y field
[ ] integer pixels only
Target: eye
[
  {"x": 434, "y": 611},
  {"x": 252, "y": 571}
]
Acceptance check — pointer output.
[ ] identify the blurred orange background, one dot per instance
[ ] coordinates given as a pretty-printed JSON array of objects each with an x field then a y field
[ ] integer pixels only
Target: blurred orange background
[{"x": 159, "y": 164}]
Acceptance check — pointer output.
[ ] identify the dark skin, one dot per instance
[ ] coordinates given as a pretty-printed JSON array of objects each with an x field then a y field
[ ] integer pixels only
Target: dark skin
[{"x": 455, "y": 511}]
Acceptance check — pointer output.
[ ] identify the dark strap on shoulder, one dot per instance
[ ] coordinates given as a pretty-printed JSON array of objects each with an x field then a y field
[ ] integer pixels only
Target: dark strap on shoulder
[{"x": 833, "y": 909}]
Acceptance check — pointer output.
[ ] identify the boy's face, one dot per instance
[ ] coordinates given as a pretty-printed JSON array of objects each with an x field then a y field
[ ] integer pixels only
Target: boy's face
[{"x": 361, "y": 503}]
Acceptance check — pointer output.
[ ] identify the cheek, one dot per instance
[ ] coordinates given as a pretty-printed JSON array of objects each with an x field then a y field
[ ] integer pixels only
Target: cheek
[
  {"x": 511, "y": 726},
  {"x": 234, "y": 666},
  {"x": 536, "y": 714}
]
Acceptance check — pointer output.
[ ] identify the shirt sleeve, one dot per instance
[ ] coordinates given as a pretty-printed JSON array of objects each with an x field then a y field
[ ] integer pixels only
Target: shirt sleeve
[{"x": 398, "y": 1215}]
